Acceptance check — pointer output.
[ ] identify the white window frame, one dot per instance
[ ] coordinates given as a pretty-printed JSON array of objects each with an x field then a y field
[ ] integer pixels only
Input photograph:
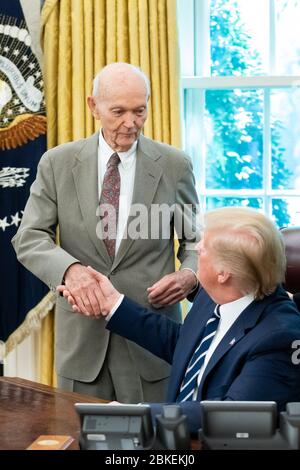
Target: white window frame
[{"x": 197, "y": 76}]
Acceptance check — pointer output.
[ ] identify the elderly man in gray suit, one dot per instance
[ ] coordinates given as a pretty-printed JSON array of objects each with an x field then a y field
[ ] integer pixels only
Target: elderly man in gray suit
[{"x": 72, "y": 180}]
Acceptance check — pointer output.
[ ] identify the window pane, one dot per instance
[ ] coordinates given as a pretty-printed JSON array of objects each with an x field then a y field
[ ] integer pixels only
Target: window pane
[
  {"x": 239, "y": 34},
  {"x": 285, "y": 135},
  {"x": 214, "y": 202},
  {"x": 233, "y": 134},
  {"x": 286, "y": 211},
  {"x": 185, "y": 19},
  {"x": 192, "y": 128},
  {"x": 288, "y": 38}
]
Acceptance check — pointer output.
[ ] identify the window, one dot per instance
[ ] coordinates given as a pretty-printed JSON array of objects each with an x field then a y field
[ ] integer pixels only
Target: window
[{"x": 240, "y": 66}]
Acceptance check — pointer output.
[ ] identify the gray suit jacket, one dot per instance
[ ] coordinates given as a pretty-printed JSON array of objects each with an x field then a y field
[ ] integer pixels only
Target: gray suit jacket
[{"x": 65, "y": 193}]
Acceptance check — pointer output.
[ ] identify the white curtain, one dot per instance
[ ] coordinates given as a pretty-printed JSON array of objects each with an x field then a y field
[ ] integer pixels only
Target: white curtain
[{"x": 23, "y": 360}]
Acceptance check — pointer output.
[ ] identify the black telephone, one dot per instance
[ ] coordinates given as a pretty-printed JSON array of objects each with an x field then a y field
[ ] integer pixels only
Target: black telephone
[
  {"x": 249, "y": 425},
  {"x": 130, "y": 427}
]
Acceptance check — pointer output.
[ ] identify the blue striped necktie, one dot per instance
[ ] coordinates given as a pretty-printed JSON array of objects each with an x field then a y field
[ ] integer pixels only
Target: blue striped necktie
[{"x": 189, "y": 383}]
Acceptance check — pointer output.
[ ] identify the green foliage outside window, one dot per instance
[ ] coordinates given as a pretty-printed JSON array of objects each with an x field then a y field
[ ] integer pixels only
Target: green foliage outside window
[{"x": 235, "y": 154}]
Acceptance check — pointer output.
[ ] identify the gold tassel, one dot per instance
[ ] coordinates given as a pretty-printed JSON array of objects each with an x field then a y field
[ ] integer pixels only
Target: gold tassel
[{"x": 32, "y": 321}]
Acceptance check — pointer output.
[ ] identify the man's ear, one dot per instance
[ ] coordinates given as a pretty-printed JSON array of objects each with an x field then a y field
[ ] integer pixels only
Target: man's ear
[
  {"x": 223, "y": 277},
  {"x": 92, "y": 105}
]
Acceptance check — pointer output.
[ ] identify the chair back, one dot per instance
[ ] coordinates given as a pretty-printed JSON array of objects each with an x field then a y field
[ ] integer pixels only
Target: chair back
[{"x": 291, "y": 238}]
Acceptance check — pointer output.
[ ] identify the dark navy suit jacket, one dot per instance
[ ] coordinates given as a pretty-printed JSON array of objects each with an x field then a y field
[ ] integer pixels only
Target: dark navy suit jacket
[{"x": 256, "y": 359}]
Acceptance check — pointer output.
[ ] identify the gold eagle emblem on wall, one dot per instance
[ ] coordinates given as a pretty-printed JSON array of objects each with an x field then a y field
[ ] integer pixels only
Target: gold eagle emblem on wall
[{"x": 22, "y": 105}]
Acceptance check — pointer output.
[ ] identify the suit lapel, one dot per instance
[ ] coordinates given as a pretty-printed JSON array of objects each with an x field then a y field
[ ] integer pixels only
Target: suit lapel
[
  {"x": 85, "y": 175},
  {"x": 194, "y": 338},
  {"x": 147, "y": 177},
  {"x": 189, "y": 338},
  {"x": 245, "y": 322}
]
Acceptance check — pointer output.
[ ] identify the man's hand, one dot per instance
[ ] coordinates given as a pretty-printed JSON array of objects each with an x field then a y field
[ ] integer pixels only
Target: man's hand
[
  {"x": 82, "y": 289},
  {"x": 171, "y": 288},
  {"x": 107, "y": 292},
  {"x": 107, "y": 295}
]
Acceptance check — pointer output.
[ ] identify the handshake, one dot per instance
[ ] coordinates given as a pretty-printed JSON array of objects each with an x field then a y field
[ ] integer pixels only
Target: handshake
[
  {"x": 88, "y": 291},
  {"x": 91, "y": 293}
]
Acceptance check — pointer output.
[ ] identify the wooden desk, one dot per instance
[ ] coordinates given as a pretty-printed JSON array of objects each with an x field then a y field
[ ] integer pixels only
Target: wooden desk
[{"x": 29, "y": 409}]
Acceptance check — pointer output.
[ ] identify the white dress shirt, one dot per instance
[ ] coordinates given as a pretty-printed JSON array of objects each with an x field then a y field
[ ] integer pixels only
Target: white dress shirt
[
  {"x": 229, "y": 313},
  {"x": 127, "y": 173}
]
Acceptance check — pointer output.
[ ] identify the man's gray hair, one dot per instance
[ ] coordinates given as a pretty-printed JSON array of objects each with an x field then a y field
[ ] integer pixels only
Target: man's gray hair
[{"x": 120, "y": 65}]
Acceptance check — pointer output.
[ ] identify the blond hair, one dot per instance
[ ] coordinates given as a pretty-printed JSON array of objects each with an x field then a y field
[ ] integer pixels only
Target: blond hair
[{"x": 248, "y": 245}]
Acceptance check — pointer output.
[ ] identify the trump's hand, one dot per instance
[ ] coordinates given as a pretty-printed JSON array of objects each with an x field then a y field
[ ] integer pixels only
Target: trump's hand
[
  {"x": 171, "y": 288},
  {"x": 108, "y": 294}
]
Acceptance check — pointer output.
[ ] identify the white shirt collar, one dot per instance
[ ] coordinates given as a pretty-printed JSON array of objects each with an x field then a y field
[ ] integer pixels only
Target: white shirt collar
[
  {"x": 231, "y": 311},
  {"x": 127, "y": 158}
]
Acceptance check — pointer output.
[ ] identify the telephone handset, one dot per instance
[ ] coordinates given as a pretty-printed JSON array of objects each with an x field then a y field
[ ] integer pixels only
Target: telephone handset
[{"x": 171, "y": 429}]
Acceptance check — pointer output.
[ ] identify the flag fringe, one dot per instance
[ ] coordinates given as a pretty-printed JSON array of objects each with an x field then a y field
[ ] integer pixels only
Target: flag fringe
[{"x": 32, "y": 322}]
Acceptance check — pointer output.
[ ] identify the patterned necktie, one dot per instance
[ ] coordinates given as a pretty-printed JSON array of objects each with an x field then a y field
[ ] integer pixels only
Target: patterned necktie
[
  {"x": 110, "y": 196},
  {"x": 190, "y": 380}
]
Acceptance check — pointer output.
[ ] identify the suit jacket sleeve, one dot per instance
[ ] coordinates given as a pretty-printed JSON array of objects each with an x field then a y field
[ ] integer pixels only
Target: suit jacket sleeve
[
  {"x": 35, "y": 241},
  {"x": 187, "y": 219},
  {"x": 154, "y": 332}
]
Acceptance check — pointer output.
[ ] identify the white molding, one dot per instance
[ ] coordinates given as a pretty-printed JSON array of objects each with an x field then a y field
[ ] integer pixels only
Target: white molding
[
  {"x": 267, "y": 152},
  {"x": 210, "y": 83},
  {"x": 202, "y": 37},
  {"x": 186, "y": 23},
  {"x": 272, "y": 38},
  {"x": 251, "y": 193}
]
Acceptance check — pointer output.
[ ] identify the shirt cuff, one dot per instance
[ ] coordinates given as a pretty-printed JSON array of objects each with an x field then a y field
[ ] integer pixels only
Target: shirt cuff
[
  {"x": 197, "y": 282},
  {"x": 115, "y": 307}
]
